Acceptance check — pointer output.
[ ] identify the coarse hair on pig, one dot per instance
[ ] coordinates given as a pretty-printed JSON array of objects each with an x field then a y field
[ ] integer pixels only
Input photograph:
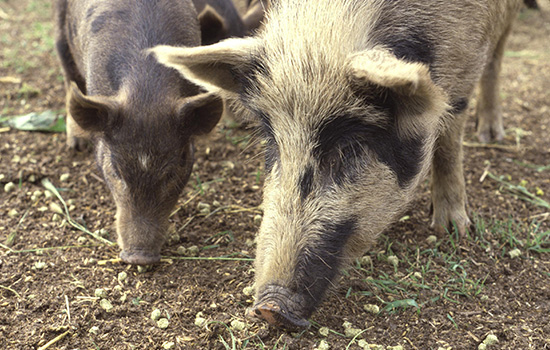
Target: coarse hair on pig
[{"x": 357, "y": 100}]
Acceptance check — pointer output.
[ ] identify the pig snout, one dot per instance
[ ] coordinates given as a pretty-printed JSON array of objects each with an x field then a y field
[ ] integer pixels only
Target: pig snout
[
  {"x": 280, "y": 308},
  {"x": 139, "y": 256}
]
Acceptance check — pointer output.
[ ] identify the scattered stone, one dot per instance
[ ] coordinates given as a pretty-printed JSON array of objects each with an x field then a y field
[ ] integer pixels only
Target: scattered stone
[
  {"x": 199, "y": 320},
  {"x": 514, "y": 253},
  {"x": 376, "y": 347},
  {"x": 238, "y": 325},
  {"x": 168, "y": 345},
  {"x": 156, "y": 314},
  {"x": 397, "y": 347},
  {"x": 216, "y": 204},
  {"x": 40, "y": 265},
  {"x": 122, "y": 276},
  {"x": 365, "y": 261},
  {"x": 257, "y": 220},
  {"x": 100, "y": 293},
  {"x": 12, "y": 213},
  {"x": 163, "y": 323},
  {"x": 118, "y": 288},
  {"x": 193, "y": 251},
  {"x": 248, "y": 291},
  {"x": 143, "y": 268},
  {"x": 392, "y": 259},
  {"x": 64, "y": 177},
  {"x": 79, "y": 240},
  {"x": 323, "y": 345},
  {"x": 2, "y": 177},
  {"x": 56, "y": 208},
  {"x": 373, "y": 309},
  {"x": 203, "y": 208},
  {"x": 349, "y": 331},
  {"x": 106, "y": 305},
  {"x": 32, "y": 178},
  {"x": 94, "y": 330},
  {"x": 490, "y": 340},
  {"x": 417, "y": 275},
  {"x": 48, "y": 194},
  {"x": 10, "y": 186},
  {"x": 362, "y": 343},
  {"x": 323, "y": 331},
  {"x": 431, "y": 240},
  {"x": 181, "y": 250}
]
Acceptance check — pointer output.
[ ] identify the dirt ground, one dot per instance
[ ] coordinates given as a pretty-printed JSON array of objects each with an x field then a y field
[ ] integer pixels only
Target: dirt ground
[{"x": 439, "y": 294}]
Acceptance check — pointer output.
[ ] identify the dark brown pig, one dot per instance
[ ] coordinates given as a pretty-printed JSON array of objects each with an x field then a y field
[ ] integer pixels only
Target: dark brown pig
[
  {"x": 220, "y": 19},
  {"x": 141, "y": 116},
  {"x": 357, "y": 101}
]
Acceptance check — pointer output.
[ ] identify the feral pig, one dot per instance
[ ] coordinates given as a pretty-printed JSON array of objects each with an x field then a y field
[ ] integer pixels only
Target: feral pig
[
  {"x": 220, "y": 19},
  {"x": 357, "y": 101},
  {"x": 141, "y": 116}
]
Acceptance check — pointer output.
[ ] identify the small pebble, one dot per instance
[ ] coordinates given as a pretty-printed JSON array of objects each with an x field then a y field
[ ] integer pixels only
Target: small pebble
[
  {"x": 100, "y": 293},
  {"x": 431, "y": 240},
  {"x": 2, "y": 177},
  {"x": 323, "y": 331},
  {"x": 39, "y": 265},
  {"x": 392, "y": 259},
  {"x": 365, "y": 261},
  {"x": 56, "y": 208},
  {"x": 376, "y": 347},
  {"x": 122, "y": 276},
  {"x": 181, "y": 250},
  {"x": 12, "y": 213},
  {"x": 94, "y": 330},
  {"x": 143, "y": 268},
  {"x": 156, "y": 314},
  {"x": 323, "y": 345},
  {"x": 32, "y": 178},
  {"x": 37, "y": 193},
  {"x": 168, "y": 345},
  {"x": 106, "y": 305},
  {"x": 64, "y": 177},
  {"x": 118, "y": 288},
  {"x": 373, "y": 309},
  {"x": 48, "y": 194},
  {"x": 490, "y": 340},
  {"x": 351, "y": 332},
  {"x": 72, "y": 207},
  {"x": 257, "y": 220},
  {"x": 249, "y": 242},
  {"x": 362, "y": 343},
  {"x": 238, "y": 325},
  {"x": 10, "y": 186},
  {"x": 397, "y": 347},
  {"x": 193, "y": 251},
  {"x": 248, "y": 291},
  {"x": 216, "y": 204},
  {"x": 163, "y": 323},
  {"x": 16, "y": 159},
  {"x": 482, "y": 346},
  {"x": 514, "y": 253},
  {"x": 484, "y": 297},
  {"x": 79, "y": 240},
  {"x": 200, "y": 321},
  {"x": 417, "y": 275},
  {"x": 203, "y": 207}
]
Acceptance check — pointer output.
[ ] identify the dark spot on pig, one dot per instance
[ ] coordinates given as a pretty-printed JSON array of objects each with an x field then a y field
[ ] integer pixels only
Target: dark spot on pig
[
  {"x": 99, "y": 22},
  {"x": 342, "y": 142},
  {"x": 410, "y": 44},
  {"x": 318, "y": 265},
  {"x": 114, "y": 68},
  {"x": 90, "y": 12},
  {"x": 306, "y": 182},
  {"x": 459, "y": 106}
]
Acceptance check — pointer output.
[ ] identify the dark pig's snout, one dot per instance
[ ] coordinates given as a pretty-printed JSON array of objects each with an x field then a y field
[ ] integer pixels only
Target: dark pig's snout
[
  {"x": 139, "y": 257},
  {"x": 281, "y": 308}
]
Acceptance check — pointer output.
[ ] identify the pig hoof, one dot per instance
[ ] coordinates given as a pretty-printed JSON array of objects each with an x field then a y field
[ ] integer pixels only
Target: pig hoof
[
  {"x": 276, "y": 315},
  {"x": 139, "y": 257}
]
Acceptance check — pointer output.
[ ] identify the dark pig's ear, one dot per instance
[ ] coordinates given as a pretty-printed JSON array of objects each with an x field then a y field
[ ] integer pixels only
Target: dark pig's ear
[
  {"x": 89, "y": 112},
  {"x": 212, "y": 67},
  {"x": 213, "y": 27},
  {"x": 417, "y": 101},
  {"x": 201, "y": 113},
  {"x": 254, "y": 16}
]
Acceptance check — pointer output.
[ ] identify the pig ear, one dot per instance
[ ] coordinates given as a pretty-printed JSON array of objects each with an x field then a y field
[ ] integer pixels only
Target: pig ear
[
  {"x": 89, "y": 112},
  {"x": 213, "y": 27},
  {"x": 201, "y": 113},
  {"x": 409, "y": 82},
  {"x": 254, "y": 16},
  {"x": 211, "y": 67}
]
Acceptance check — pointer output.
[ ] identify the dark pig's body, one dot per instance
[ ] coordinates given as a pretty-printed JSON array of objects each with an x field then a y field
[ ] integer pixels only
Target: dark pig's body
[{"x": 141, "y": 116}]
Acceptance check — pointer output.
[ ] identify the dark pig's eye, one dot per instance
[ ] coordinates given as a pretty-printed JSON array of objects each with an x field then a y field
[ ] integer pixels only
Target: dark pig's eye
[{"x": 342, "y": 163}]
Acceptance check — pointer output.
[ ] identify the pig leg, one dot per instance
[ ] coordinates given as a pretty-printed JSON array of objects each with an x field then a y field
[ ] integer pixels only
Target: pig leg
[
  {"x": 488, "y": 111},
  {"x": 448, "y": 187}
]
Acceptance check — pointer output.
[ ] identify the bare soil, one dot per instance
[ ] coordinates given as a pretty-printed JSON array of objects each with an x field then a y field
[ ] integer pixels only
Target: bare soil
[{"x": 458, "y": 293}]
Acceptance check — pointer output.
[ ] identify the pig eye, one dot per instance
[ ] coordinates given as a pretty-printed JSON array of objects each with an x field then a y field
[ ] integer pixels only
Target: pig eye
[{"x": 343, "y": 163}]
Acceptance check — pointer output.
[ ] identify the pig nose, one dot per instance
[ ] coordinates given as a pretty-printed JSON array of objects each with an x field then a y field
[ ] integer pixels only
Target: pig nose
[
  {"x": 275, "y": 311},
  {"x": 139, "y": 257}
]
